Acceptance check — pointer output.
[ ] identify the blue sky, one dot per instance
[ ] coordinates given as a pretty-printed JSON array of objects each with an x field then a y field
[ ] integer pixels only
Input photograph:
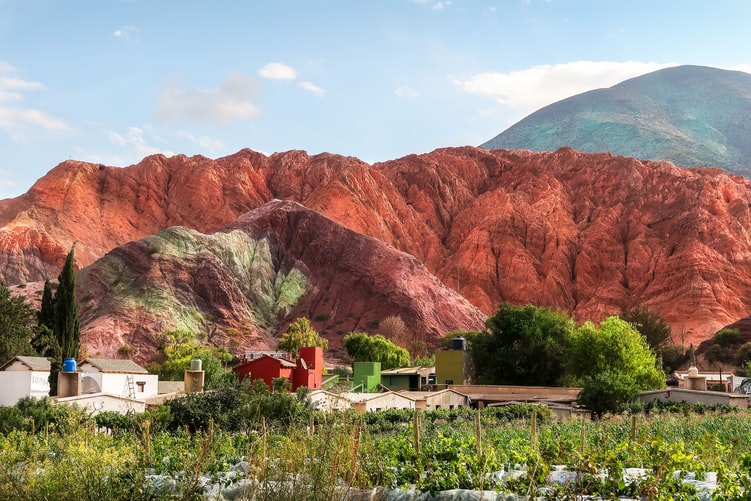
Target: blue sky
[{"x": 111, "y": 81}]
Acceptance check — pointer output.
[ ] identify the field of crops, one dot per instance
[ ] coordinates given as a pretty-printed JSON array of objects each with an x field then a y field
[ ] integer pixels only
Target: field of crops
[{"x": 518, "y": 449}]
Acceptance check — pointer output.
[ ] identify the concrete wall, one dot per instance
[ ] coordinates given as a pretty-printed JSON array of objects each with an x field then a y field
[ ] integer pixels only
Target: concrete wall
[
  {"x": 368, "y": 375},
  {"x": 695, "y": 397},
  {"x": 117, "y": 384},
  {"x": 446, "y": 400},
  {"x": 94, "y": 404},
  {"x": 385, "y": 401},
  {"x": 15, "y": 385},
  {"x": 325, "y": 401},
  {"x": 450, "y": 366}
]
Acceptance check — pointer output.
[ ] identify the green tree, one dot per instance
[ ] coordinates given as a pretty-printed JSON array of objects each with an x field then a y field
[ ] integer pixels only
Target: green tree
[
  {"x": 364, "y": 348},
  {"x": 300, "y": 334},
  {"x": 525, "y": 346},
  {"x": 66, "y": 326},
  {"x": 613, "y": 363},
  {"x": 651, "y": 325},
  {"x": 17, "y": 323},
  {"x": 45, "y": 343},
  {"x": 607, "y": 392},
  {"x": 616, "y": 347},
  {"x": 179, "y": 346}
]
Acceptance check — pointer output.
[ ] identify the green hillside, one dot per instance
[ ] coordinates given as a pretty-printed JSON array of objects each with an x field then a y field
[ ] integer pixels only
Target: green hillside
[{"x": 690, "y": 115}]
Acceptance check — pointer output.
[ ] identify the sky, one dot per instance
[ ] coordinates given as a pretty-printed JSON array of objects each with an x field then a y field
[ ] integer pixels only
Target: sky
[{"x": 113, "y": 81}]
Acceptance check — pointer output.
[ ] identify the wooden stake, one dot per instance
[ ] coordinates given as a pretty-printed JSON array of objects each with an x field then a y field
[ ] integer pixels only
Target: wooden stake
[{"x": 478, "y": 433}]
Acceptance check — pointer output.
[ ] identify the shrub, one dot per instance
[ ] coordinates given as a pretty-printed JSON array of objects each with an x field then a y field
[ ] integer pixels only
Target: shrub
[{"x": 608, "y": 392}]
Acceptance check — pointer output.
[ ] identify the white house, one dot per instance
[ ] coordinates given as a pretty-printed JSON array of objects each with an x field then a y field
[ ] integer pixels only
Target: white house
[
  {"x": 323, "y": 400},
  {"x": 24, "y": 377},
  {"x": 123, "y": 378},
  {"x": 442, "y": 399},
  {"x": 379, "y": 401}
]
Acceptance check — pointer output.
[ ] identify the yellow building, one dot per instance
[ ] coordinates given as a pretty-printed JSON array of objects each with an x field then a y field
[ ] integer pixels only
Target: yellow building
[{"x": 452, "y": 366}]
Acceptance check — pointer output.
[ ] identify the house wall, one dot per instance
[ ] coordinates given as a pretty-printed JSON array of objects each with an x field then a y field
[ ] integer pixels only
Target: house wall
[
  {"x": 695, "y": 397},
  {"x": 117, "y": 384},
  {"x": 398, "y": 382},
  {"x": 267, "y": 369},
  {"x": 94, "y": 404},
  {"x": 313, "y": 357},
  {"x": 446, "y": 400},
  {"x": 450, "y": 366},
  {"x": 325, "y": 401},
  {"x": 16, "y": 384},
  {"x": 367, "y": 374},
  {"x": 386, "y": 401}
]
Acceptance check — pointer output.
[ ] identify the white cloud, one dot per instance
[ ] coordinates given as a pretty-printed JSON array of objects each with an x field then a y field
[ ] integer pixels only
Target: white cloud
[
  {"x": 229, "y": 102},
  {"x": 530, "y": 89},
  {"x": 278, "y": 71},
  {"x": 134, "y": 140},
  {"x": 128, "y": 33},
  {"x": 312, "y": 88},
  {"x": 20, "y": 121},
  {"x": 406, "y": 92},
  {"x": 7, "y": 183},
  {"x": 205, "y": 142},
  {"x": 435, "y": 5},
  {"x": 127, "y": 148}
]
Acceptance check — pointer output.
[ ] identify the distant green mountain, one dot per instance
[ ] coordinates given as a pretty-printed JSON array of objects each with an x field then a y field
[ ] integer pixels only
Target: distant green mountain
[{"x": 689, "y": 115}]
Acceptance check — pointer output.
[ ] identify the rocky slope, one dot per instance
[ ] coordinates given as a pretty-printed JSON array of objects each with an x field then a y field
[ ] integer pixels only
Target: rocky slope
[
  {"x": 245, "y": 282},
  {"x": 589, "y": 233},
  {"x": 689, "y": 115}
]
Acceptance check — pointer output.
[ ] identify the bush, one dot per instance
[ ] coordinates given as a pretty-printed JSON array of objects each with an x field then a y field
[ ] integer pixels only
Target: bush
[
  {"x": 728, "y": 337},
  {"x": 608, "y": 392}
]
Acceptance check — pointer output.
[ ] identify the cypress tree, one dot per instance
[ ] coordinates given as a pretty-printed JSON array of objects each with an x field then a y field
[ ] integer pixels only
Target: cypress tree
[
  {"x": 66, "y": 326},
  {"x": 46, "y": 315}
]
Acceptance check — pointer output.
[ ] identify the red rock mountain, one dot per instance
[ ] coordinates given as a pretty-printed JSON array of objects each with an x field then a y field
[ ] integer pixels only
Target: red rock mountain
[
  {"x": 249, "y": 279},
  {"x": 589, "y": 233}
]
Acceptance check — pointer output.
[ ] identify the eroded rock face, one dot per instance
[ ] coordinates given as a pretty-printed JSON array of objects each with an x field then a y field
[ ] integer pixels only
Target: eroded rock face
[
  {"x": 253, "y": 277},
  {"x": 592, "y": 234}
]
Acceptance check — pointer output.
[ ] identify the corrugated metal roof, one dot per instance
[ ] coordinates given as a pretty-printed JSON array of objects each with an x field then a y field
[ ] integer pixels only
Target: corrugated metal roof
[
  {"x": 33, "y": 363},
  {"x": 407, "y": 371},
  {"x": 115, "y": 365}
]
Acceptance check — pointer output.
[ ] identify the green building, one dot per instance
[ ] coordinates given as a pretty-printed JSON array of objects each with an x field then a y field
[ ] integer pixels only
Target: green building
[{"x": 366, "y": 376}]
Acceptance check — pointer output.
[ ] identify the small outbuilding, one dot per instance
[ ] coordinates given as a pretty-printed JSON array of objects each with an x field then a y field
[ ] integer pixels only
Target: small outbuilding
[
  {"x": 379, "y": 401},
  {"x": 117, "y": 377},
  {"x": 23, "y": 376},
  {"x": 407, "y": 378},
  {"x": 323, "y": 400},
  {"x": 442, "y": 399}
]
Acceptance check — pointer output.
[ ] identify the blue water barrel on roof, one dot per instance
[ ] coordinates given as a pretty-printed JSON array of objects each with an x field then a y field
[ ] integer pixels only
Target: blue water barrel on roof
[{"x": 69, "y": 365}]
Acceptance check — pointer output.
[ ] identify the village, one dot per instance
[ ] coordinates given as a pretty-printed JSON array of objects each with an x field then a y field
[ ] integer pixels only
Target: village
[{"x": 123, "y": 386}]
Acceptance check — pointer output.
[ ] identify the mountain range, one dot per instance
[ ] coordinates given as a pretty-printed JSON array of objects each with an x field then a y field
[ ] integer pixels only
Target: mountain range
[
  {"x": 241, "y": 245},
  {"x": 689, "y": 115}
]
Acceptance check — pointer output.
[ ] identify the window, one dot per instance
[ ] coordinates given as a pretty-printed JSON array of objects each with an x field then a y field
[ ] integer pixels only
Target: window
[{"x": 141, "y": 385}]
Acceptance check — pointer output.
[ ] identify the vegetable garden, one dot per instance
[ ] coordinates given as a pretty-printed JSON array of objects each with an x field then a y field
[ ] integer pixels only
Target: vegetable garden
[{"x": 56, "y": 452}]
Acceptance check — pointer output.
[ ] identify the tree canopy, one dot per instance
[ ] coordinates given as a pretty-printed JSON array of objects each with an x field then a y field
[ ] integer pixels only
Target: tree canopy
[
  {"x": 651, "y": 325},
  {"x": 17, "y": 323},
  {"x": 364, "y": 348},
  {"x": 66, "y": 326},
  {"x": 532, "y": 345},
  {"x": 300, "y": 334},
  {"x": 525, "y": 346}
]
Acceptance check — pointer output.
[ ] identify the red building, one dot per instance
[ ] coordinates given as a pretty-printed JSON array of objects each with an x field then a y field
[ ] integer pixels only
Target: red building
[{"x": 307, "y": 370}]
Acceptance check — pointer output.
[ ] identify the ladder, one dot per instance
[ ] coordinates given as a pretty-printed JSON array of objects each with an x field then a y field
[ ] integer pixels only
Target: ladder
[{"x": 131, "y": 386}]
